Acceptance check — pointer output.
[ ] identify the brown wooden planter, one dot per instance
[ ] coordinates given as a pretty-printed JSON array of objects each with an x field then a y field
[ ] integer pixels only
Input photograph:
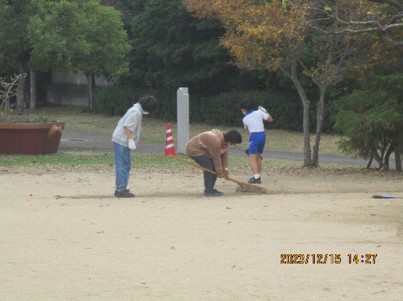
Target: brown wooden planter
[{"x": 30, "y": 138}]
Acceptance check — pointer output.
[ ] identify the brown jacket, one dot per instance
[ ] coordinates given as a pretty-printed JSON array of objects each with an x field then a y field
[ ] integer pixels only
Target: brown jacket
[{"x": 212, "y": 144}]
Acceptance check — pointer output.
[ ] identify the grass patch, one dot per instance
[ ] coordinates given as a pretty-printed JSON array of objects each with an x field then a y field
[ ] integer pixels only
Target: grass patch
[
  {"x": 95, "y": 160},
  {"x": 104, "y": 163},
  {"x": 61, "y": 159},
  {"x": 106, "y": 160},
  {"x": 153, "y": 131}
]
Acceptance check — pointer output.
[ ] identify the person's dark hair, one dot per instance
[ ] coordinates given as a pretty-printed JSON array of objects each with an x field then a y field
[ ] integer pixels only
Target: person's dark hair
[
  {"x": 148, "y": 103},
  {"x": 246, "y": 104},
  {"x": 233, "y": 137}
]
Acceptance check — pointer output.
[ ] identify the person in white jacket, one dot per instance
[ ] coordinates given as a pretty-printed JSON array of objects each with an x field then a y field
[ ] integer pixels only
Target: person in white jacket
[{"x": 125, "y": 139}]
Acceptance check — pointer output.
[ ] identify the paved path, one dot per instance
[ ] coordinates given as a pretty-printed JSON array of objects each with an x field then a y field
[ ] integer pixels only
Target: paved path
[{"x": 80, "y": 141}]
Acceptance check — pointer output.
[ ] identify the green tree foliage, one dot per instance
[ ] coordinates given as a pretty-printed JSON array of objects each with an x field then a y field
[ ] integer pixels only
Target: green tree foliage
[
  {"x": 173, "y": 49},
  {"x": 13, "y": 39},
  {"x": 372, "y": 120},
  {"x": 66, "y": 35},
  {"x": 85, "y": 36}
]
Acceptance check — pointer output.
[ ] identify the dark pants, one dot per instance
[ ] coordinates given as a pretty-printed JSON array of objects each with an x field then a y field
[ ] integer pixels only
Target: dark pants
[{"x": 209, "y": 178}]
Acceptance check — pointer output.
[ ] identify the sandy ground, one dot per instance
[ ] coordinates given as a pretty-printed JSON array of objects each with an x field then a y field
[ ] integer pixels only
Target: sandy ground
[{"x": 63, "y": 236}]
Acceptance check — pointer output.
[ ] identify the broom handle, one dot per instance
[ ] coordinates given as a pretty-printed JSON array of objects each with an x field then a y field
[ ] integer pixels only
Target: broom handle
[
  {"x": 242, "y": 184},
  {"x": 195, "y": 165}
]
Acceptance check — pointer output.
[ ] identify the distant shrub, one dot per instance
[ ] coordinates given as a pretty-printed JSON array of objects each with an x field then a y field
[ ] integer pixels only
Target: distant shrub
[
  {"x": 224, "y": 108},
  {"x": 112, "y": 100},
  {"x": 116, "y": 100}
]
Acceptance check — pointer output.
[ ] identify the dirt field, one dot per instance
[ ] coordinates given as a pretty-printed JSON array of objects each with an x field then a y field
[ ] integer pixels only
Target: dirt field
[{"x": 63, "y": 236}]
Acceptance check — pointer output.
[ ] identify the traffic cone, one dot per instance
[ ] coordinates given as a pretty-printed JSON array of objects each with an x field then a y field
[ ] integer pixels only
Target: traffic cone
[{"x": 169, "y": 146}]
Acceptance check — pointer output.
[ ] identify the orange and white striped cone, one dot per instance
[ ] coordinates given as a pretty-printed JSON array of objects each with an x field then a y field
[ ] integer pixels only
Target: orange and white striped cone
[{"x": 169, "y": 146}]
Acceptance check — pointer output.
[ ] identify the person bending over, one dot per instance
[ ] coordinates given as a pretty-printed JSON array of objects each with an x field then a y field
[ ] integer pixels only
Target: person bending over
[
  {"x": 125, "y": 140},
  {"x": 210, "y": 150}
]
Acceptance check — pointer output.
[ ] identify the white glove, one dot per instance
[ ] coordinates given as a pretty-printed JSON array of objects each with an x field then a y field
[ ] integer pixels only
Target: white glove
[
  {"x": 132, "y": 145},
  {"x": 262, "y": 109}
]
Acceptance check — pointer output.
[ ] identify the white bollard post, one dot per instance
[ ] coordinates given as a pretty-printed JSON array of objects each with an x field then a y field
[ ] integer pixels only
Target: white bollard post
[{"x": 182, "y": 115}]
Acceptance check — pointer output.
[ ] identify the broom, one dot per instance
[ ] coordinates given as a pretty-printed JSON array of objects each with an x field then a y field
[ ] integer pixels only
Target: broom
[{"x": 243, "y": 185}]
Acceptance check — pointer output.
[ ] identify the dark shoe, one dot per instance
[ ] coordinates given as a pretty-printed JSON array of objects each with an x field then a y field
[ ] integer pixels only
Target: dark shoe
[
  {"x": 124, "y": 194},
  {"x": 212, "y": 192},
  {"x": 255, "y": 181}
]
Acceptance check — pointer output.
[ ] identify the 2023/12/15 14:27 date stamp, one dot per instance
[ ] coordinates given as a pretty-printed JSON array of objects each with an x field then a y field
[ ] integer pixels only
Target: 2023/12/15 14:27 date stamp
[{"x": 328, "y": 258}]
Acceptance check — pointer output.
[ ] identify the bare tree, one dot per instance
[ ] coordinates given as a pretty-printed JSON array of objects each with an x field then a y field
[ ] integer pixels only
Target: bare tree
[
  {"x": 9, "y": 89},
  {"x": 386, "y": 18}
]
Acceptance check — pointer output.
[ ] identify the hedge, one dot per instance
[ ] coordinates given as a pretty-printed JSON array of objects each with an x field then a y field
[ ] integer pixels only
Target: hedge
[{"x": 223, "y": 108}]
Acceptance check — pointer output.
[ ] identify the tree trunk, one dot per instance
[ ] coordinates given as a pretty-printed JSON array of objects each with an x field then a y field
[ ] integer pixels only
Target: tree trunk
[
  {"x": 387, "y": 157},
  {"x": 21, "y": 90},
  {"x": 398, "y": 158},
  {"x": 5, "y": 105},
  {"x": 91, "y": 84},
  {"x": 377, "y": 157},
  {"x": 33, "y": 89},
  {"x": 320, "y": 111},
  {"x": 306, "y": 104},
  {"x": 371, "y": 157}
]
